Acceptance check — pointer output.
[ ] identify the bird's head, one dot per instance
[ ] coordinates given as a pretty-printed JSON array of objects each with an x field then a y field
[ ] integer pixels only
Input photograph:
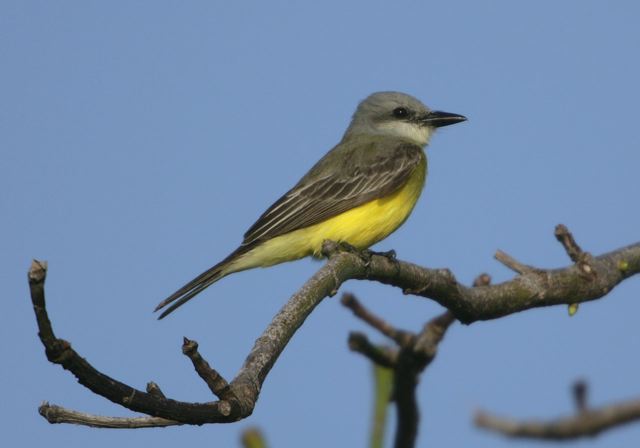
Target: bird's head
[{"x": 396, "y": 114}]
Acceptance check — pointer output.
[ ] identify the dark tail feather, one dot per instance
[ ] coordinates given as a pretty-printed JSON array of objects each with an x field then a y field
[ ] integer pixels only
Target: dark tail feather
[
  {"x": 190, "y": 290},
  {"x": 198, "y": 284}
]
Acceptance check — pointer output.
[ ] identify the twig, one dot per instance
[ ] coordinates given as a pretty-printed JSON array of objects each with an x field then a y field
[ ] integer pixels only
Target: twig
[
  {"x": 512, "y": 263},
  {"x": 381, "y": 356},
  {"x": 566, "y": 239},
  {"x": 402, "y": 338},
  {"x": 154, "y": 389},
  {"x": 483, "y": 279},
  {"x": 216, "y": 383},
  {"x": 431, "y": 335},
  {"x": 580, "y": 390},
  {"x": 582, "y": 259},
  {"x": 584, "y": 424},
  {"x": 58, "y": 414}
]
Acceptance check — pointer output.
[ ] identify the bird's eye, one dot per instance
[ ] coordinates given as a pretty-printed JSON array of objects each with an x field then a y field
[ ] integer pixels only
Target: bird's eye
[{"x": 400, "y": 112}]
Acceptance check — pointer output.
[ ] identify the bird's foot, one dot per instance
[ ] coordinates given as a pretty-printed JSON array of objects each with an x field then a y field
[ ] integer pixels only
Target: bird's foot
[
  {"x": 388, "y": 254},
  {"x": 367, "y": 254}
]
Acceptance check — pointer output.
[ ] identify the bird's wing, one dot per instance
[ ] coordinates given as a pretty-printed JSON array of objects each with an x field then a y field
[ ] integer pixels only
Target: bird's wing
[
  {"x": 315, "y": 200},
  {"x": 323, "y": 193}
]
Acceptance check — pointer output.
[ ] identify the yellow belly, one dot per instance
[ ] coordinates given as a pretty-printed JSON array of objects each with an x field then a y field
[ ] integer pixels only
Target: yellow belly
[{"x": 361, "y": 227}]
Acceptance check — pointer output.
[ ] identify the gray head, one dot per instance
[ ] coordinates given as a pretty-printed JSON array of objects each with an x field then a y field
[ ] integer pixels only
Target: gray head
[{"x": 396, "y": 114}]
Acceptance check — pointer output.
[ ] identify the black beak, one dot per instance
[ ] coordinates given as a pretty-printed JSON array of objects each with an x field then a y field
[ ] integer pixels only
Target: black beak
[{"x": 438, "y": 119}]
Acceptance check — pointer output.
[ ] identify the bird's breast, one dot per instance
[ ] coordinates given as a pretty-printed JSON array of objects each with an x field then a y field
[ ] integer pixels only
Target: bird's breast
[
  {"x": 369, "y": 223},
  {"x": 361, "y": 227}
]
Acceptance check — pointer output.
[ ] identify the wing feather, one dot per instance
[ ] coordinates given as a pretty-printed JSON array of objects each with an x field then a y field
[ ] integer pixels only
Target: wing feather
[{"x": 317, "y": 198}]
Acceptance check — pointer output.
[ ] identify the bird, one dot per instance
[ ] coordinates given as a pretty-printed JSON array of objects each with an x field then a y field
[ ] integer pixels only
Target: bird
[{"x": 358, "y": 193}]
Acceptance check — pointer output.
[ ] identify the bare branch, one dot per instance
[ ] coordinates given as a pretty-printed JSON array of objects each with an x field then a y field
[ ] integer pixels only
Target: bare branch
[
  {"x": 580, "y": 390},
  {"x": 217, "y": 384},
  {"x": 582, "y": 259},
  {"x": 402, "y": 338},
  {"x": 415, "y": 353},
  {"x": 588, "y": 423},
  {"x": 483, "y": 279},
  {"x": 57, "y": 414},
  {"x": 154, "y": 389},
  {"x": 245, "y": 387},
  {"x": 533, "y": 288},
  {"x": 426, "y": 343},
  {"x": 382, "y": 356},
  {"x": 512, "y": 263},
  {"x": 412, "y": 361},
  {"x": 566, "y": 239}
]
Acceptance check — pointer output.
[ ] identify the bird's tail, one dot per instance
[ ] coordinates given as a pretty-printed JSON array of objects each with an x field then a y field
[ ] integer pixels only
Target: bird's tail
[{"x": 201, "y": 282}]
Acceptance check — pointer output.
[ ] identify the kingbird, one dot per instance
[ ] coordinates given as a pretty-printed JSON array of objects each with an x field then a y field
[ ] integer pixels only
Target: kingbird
[{"x": 358, "y": 193}]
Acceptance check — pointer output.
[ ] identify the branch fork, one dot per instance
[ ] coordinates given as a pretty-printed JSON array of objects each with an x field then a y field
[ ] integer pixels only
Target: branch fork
[{"x": 414, "y": 353}]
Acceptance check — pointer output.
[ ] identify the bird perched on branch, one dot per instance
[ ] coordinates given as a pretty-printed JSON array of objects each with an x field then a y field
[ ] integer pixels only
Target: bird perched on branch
[{"x": 358, "y": 193}]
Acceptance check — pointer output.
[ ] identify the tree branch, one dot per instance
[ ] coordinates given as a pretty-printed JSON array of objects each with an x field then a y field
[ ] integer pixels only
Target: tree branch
[
  {"x": 57, "y": 414},
  {"x": 382, "y": 356},
  {"x": 415, "y": 353},
  {"x": 588, "y": 423},
  {"x": 401, "y": 337},
  {"x": 243, "y": 391},
  {"x": 216, "y": 383},
  {"x": 412, "y": 361},
  {"x": 532, "y": 288}
]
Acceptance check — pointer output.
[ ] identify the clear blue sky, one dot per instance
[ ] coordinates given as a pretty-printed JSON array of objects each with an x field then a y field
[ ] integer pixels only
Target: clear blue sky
[{"x": 139, "y": 140}]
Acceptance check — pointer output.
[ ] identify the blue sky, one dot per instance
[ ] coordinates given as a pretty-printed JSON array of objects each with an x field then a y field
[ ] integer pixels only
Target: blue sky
[{"x": 139, "y": 140}]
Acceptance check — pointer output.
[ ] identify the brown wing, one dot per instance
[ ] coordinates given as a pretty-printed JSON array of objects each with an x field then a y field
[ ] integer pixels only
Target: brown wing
[{"x": 317, "y": 198}]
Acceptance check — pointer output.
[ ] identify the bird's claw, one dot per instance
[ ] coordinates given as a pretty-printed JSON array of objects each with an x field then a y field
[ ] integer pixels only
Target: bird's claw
[
  {"x": 367, "y": 254},
  {"x": 388, "y": 254}
]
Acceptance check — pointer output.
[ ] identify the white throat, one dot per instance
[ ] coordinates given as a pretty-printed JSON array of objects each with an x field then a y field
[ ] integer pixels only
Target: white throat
[{"x": 420, "y": 135}]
